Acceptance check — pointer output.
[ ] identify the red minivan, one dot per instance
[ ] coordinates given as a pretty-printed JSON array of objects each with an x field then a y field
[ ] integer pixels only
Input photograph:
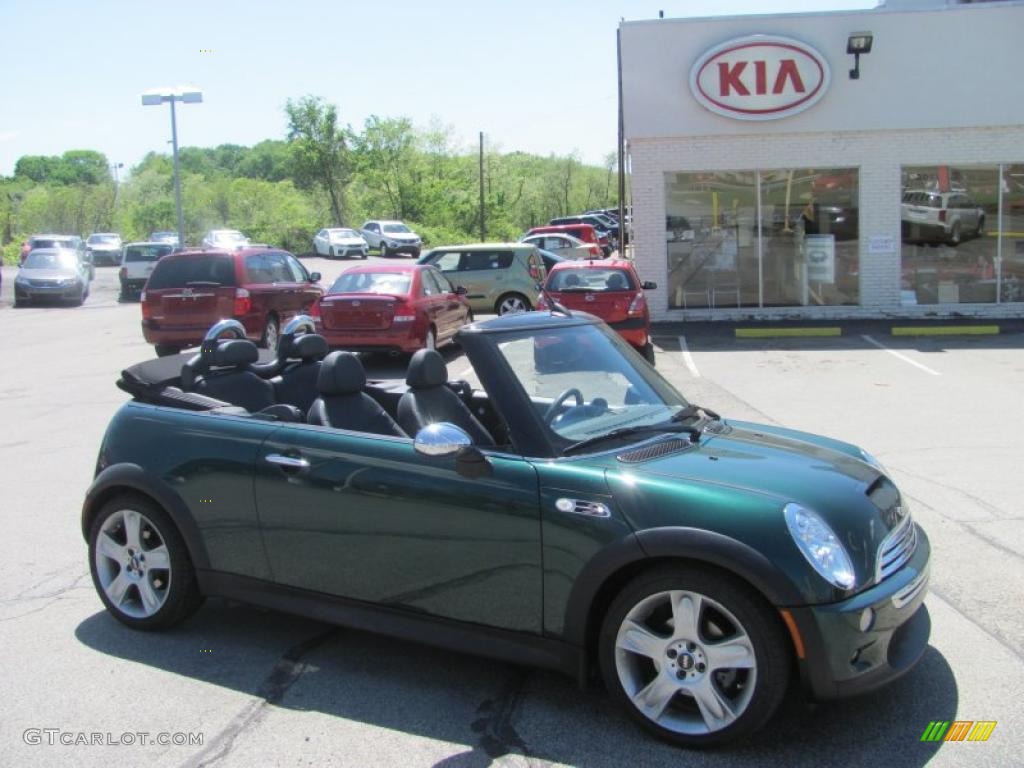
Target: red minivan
[
  {"x": 391, "y": 308},
  {"x": 611, "y": 290},
  {"x": 189, "y": 291}
]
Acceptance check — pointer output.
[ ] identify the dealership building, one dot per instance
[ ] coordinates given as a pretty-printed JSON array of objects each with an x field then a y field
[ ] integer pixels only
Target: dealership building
[{"x": 852, "y": 164}]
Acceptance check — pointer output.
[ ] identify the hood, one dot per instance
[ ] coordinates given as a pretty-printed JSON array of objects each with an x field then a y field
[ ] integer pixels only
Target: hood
[
  {"x": 401, "y": 236},
  {"x": 48, "y": 274},
  {"x": 738, "y": 480},
  {"x": 104, "y": 247}
]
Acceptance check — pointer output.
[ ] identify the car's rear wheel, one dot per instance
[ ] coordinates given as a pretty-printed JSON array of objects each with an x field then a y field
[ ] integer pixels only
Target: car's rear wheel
[
  {"x": 695, "y": 656},
  {"x": 166, "y": 350},
  {"x": 980, "y": 229},
  {"x": 140, "y": 565},
  {"x": 271, "y": 333},
  {"x": 512, "y": 302}
]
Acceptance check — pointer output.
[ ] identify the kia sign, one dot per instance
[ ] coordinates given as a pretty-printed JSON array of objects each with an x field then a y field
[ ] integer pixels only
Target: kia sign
[{"x": 761, "y": 77}]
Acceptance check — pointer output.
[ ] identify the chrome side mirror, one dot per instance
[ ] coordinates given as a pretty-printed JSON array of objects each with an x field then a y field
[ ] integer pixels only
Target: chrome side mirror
[{"x": 441, "y": 440}]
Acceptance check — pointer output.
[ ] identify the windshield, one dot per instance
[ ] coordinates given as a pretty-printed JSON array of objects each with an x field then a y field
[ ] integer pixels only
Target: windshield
[
  {"x": 145, "y": 252},
  {"x": 395, "y": 228},
  {"x": 228, "y": 235},
  {"x": 372, "y": 282},
  {"x": 104, "y": 239},
  {"x": 51, "y": 260},
  {"x": 175, "y": 272},
  {"x": 615, "y": 390},
  {"x": 339, "y": 233},
  {"x": 591, "y": 280}
]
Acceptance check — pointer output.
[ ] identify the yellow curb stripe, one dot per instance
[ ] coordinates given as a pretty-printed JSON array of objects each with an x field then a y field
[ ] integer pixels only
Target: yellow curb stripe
[
  {"x": 945, "y": 330},
  {"x": 765, "y": 333}
]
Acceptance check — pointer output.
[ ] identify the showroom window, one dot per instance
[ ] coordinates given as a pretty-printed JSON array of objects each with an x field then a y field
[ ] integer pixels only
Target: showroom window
[
  {"x": 962, "y": 233},
  {"x": 775, "y": 238}
]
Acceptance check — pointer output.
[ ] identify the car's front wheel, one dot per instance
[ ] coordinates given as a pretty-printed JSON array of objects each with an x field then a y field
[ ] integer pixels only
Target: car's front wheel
[
  {"x": 140, "y": 565},
  {"x": 694, "y": 655},
  {"x": 383, "y": 250}
]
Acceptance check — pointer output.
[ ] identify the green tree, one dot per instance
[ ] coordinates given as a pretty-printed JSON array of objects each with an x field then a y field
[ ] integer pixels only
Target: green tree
[{"x": 321, "y": 148}]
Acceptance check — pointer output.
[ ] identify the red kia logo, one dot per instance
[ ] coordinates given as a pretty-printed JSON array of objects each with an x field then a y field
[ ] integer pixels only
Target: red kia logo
[{"x": 761, "y": 77}]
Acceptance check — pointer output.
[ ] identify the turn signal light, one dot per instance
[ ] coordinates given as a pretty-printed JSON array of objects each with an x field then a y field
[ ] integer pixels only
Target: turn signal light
[
  {"x": 314, "y": 311},
  {"x": 942, "y": 215},
  {"x": 243, "y": 304}
]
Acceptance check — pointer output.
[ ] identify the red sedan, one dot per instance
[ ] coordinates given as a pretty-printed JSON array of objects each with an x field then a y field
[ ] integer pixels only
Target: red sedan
[
  {"x": 609, "y": 289},
  {"x": 391, "y": 308}
]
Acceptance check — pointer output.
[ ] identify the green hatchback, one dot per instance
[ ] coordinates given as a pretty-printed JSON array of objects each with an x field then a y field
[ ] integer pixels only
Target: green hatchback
[
  {"x": 498, "y": 277},
  {"x": 570, "y": 509}
]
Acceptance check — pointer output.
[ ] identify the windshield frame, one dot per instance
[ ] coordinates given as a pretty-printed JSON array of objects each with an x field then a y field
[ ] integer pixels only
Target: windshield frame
[{"x": 530, "y": 434}]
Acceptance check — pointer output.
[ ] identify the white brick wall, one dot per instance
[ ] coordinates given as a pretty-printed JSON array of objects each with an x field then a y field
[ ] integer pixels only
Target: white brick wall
[{"x": 879, "y": 156}]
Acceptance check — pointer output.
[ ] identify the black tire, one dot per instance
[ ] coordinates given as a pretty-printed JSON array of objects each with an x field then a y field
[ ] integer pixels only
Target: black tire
[
  {"x": 166, "y": 350},
  {"x": 383, "y": 251},
  {"x": 502, "y": 305},
  {"x": 182, "y": 597},
  {"x": 271, "y": 333},
  {"x": 980, "y": 229},
  {"x": 648, "y": 352},
  {"x": 760, "y": 623},
  {"x": 20, "y": 303}
]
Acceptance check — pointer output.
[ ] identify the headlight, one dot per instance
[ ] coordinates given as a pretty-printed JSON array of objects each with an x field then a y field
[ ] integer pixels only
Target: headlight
[
  {"x": 21, "y": 279},
  {"x": 819, "y": 545}
]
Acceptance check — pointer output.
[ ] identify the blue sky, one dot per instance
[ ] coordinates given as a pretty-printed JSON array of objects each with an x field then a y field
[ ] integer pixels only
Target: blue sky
[{"x": 534, "y": 76}]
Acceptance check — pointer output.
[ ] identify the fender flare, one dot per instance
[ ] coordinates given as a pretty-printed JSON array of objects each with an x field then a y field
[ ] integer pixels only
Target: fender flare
[
  {"x": 132, "y": 477},
  {"x": 672, "y": 543}
]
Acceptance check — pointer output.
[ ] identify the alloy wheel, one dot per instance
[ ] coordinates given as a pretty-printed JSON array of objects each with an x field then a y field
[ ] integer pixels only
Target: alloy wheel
[
  {"x": 133, "y": 564},
  {"x": 512, "y": 304},
  {"x": 685, "y": 662}
]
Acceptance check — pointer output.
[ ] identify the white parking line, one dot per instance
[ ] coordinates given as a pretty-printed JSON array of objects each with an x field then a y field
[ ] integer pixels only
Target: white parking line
[
  {"x": 902, "y": 357},
  {"x": 688, "y": 358}
]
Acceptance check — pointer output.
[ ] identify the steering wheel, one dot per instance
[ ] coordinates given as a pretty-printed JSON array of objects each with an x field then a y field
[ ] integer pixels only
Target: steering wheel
[{"x": 556, "y": 406}]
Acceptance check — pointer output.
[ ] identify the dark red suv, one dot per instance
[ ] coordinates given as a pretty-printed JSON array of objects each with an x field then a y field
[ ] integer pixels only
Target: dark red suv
[{"x": 189, "y": 291}]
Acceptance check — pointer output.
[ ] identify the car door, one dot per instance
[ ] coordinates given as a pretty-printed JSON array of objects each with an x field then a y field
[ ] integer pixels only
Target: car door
[
  {"x": 371, "y": 231},
  {"x": 366, "y": 517},
  {"x": 306, "y": 291},
  {"x": 428, "y": 297},
  {"x": 453, "y": 312}
]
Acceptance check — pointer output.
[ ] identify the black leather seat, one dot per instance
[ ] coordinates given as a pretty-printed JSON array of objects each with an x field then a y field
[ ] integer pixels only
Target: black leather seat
[
  {"x": 297, "y": 383},
  {"x": 343, "y": 404},
  {"x": 227, "y": 377},
  {"x": 430, "y": 401}
]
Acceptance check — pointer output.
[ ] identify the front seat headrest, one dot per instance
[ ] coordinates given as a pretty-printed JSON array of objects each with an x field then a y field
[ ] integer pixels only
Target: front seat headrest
[
  {"x": 309, "y": 346},
  {"x": 341, "y": 373},
  {"x": 235, "y": 353},
  {"x": 426, "y": 369}
]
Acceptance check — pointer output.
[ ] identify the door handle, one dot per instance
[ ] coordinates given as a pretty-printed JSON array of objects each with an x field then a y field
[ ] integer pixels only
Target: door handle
[{"x": 287, "y": 462}]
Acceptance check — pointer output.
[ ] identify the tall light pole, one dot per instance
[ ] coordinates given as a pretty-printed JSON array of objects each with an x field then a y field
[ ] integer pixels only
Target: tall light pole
[{"x": 185, "y": 95}]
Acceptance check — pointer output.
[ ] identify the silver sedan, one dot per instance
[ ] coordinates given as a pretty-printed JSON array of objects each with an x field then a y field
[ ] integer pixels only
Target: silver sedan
[{"x": 54, "y": 274}]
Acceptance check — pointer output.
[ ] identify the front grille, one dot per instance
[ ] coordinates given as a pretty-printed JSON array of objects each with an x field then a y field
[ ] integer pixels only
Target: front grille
[
  {"x": 909, "y": 592},
  {"x": 896, "y": 549},
  {"x": 654, "y": 451}
]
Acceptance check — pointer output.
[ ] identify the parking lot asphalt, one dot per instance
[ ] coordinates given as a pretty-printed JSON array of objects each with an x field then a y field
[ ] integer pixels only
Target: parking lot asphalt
[{"x": 264, "y": 688}]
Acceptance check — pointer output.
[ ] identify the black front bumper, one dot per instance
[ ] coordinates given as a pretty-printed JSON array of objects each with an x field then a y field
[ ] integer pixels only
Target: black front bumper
[
  {"x": 411, "y": 249},
  {"x": 842, "y": 660}
]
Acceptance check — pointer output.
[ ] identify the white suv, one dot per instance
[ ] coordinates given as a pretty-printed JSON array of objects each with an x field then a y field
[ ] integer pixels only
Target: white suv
[
  {"x": 227, "y": 239},
  {"x": 391, "y": 237},
  {"x": 940, "y": 217}
]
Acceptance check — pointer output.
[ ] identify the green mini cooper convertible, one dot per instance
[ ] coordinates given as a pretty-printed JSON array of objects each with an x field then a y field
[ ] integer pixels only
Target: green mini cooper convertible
[{"x": 567, "y": 509}]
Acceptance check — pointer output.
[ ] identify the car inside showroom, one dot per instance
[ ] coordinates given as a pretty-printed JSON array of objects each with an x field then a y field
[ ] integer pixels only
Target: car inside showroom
[{"x": 849, "y": 164}]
